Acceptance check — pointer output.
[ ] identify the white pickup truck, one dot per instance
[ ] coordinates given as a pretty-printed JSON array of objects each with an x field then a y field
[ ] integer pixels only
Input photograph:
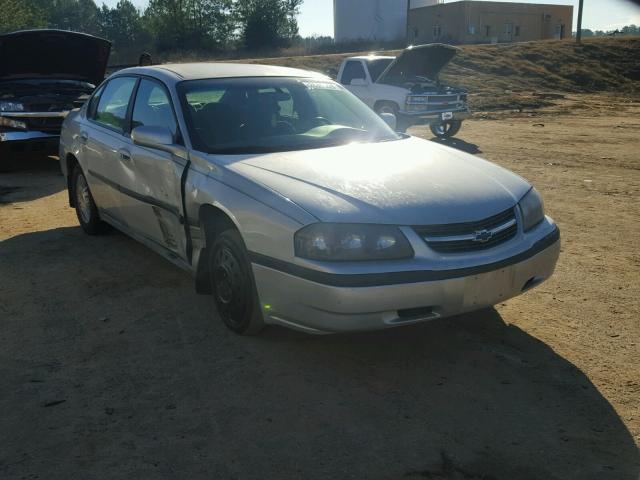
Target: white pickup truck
[{"x": 408, "y": 87}]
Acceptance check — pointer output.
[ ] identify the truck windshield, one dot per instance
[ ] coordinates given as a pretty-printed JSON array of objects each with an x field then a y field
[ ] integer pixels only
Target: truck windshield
[
  {"x": 271, "y": 114},
  {"x": 377, "y": 66}
]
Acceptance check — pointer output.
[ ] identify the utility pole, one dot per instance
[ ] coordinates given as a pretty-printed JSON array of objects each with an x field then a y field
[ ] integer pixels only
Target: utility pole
[
  {"x": 579, "y": 32},
  {"x": 408, "y": 12}
]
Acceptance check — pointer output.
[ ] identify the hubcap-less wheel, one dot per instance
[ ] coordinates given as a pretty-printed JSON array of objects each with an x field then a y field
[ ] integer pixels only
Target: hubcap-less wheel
[
  {"x": 230, "y": 286},
  {"x": 83, "y": 198},
  {"x": 386, "y": 109}
]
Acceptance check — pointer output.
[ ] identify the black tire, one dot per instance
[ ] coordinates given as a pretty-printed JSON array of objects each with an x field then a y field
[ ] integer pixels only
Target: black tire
[
  {"x": 445, "y": 129},
  {"x": 8, "y": 161},
  {"x": 86, "y": 209},
  {"x": 232, "y": 284}
]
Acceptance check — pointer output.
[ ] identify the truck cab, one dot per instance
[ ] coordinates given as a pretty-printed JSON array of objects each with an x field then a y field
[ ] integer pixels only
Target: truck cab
[{"x": 408, "y": 86}]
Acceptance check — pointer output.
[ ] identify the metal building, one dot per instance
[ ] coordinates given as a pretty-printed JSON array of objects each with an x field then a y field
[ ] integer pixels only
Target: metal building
[
  {"x": 469, "y": 21},
  {"x": 381, "y": 20}
]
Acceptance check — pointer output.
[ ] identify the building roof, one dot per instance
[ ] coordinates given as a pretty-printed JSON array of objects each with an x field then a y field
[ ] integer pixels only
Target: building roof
[{"x": 493, "y": 4}]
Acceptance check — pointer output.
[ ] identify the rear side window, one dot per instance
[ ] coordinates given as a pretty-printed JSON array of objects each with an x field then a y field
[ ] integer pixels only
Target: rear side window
[
  {"x": 153, "y": 108},
  {"x": 114, "y": 102},
  {"x": 352, "y": 69}
]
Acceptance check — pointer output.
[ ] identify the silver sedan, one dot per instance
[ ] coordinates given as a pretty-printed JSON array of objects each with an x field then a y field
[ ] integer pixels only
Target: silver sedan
[{"x": 293, "y": 203}]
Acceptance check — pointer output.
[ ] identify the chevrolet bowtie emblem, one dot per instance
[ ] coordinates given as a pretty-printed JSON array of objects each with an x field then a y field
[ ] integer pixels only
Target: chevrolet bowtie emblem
[{"x": 482, "y": 236}]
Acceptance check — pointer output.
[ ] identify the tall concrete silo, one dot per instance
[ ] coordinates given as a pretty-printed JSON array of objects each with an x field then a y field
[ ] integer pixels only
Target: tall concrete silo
[{"x": 382, "y": 20}]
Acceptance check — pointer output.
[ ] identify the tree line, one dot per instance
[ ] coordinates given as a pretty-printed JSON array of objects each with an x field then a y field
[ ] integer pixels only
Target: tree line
[{"x": 164, "y": 25}]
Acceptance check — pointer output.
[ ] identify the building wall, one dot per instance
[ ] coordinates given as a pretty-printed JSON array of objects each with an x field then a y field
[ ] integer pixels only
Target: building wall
[
  {"x": 382, "y": 20},
  {"x": 489, "y": 22}
]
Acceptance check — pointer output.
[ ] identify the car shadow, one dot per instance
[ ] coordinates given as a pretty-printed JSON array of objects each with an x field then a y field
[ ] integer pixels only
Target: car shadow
[
  {"x": 112, "y": 366},
  {"x": 36, "y": 177},
  {"x": 458, "y": 144}
]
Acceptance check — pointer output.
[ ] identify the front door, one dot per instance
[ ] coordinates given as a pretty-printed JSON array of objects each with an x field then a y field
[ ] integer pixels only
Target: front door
[{"x": 151, "y": 179}]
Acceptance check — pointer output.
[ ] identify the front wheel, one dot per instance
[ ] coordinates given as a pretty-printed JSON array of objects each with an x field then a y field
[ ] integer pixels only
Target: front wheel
[
  {"x": 445, "y": 129},
  {"x": 232, "y": 284},
  {"x": 86, "y": 209}
]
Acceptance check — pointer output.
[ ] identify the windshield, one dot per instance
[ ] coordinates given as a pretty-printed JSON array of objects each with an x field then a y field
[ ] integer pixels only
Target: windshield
[
  {"x": 271, "y": 114},
  {"x": 377, "y": 66}
]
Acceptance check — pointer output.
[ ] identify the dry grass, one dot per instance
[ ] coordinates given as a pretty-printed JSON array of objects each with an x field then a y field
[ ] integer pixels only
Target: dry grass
[{"x": 512, "y": 76}]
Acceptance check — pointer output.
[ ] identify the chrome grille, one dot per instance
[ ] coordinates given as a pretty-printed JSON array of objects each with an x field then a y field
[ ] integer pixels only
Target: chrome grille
[
  {"x": 442, "y": 98},
  {"x": 470, "y": 236}
]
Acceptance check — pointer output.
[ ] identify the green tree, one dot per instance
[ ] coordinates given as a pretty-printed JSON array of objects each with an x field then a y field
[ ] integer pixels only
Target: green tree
[
  {"x": 20, "y": 14},
  {"x": 75, "y": 15},
  {"x": 190, "y": 24},
  {"x": 124, "y": 26},
  {"x": 267, "y": 24}
]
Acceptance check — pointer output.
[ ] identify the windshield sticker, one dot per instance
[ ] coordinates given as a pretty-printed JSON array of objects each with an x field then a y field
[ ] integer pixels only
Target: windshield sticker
[{"x": 320, "y": 85}]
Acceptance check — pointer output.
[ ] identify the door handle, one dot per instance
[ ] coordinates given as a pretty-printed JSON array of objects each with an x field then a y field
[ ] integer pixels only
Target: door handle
[
  {"x": 124, "y": 154},
  {"x": 84, "y": 137}
]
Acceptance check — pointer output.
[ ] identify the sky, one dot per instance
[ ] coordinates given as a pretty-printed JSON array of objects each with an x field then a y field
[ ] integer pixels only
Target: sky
[{"x": 316, "y": 16}]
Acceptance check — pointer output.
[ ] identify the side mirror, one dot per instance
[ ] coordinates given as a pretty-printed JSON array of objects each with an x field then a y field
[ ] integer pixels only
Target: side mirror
[
  {"x": 359, "y": 82},
  {"x": 390, "y": 119},
  {"x": 158, "y": 138}
]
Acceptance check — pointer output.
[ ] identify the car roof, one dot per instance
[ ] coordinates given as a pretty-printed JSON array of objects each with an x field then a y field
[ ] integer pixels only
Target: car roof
[{"x": 198, "y": 71}]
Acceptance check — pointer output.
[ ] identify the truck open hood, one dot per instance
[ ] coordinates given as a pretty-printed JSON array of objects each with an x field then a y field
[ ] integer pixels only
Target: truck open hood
[
  {"x": 419, "y": 61},
  {"x": 53, "y": 54}
]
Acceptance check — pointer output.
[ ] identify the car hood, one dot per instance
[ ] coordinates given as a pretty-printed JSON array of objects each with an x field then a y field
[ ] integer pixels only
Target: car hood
[
  {"x": 419, "y": 61},
  {"x": 404, "y": 182},
  {"x": 53, "y": 54}
]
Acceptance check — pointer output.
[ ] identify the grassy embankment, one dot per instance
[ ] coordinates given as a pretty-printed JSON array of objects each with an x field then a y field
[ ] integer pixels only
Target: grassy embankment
[{"x": 522, "y": 75}]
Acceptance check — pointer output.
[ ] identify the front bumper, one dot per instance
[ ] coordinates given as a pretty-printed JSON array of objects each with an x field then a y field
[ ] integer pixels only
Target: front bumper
[
  {"x": 29, "y": 141},
  {"x": 426, "y": 118},
  {"x": 322, "y": 305}
]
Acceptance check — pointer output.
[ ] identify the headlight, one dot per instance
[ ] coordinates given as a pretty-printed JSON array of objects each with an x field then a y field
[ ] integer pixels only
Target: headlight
[
  {"x": 9, "y": 122},
  {"x": 532, "y": 209},
  {"x": 351, "y": 242},
  {"x": 11, "y": 107}
]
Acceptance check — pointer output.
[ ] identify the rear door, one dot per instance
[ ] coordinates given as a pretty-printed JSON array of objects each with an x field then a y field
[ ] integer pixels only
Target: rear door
[
  {"x": 151, "y": 179},
  {"x": 103, "y": 136}
]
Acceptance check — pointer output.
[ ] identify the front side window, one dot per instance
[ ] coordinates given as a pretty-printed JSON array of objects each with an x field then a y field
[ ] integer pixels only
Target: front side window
[
  {"x": 153, "y": 107},
  {"x": 265, "y": 114},
  {"x": 114, "y": 102},
  {"x": 352, "y": 70}
]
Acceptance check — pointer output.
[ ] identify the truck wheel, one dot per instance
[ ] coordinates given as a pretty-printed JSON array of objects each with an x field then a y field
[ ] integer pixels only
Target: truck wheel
[
  {"x": 86, "y": 209},
  {"x": 445, "y": 129},
  {"x": 232, "y": 284},
  {"x": 387, "y": 107},
  {"x": 402, "y": 123}
]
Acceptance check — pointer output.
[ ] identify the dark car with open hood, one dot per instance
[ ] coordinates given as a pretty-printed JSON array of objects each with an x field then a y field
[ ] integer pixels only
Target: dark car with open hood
[{"x": 43, "y": 75}]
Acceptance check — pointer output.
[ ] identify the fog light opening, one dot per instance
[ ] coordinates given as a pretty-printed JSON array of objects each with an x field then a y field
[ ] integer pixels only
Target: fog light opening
[
  {"x": 532, "y": 282},
  {"x": 414, "y": 314}
]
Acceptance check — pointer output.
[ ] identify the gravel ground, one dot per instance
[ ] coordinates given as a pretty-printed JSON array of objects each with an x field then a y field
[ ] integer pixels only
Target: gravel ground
[{"x": 112, "y": 367}]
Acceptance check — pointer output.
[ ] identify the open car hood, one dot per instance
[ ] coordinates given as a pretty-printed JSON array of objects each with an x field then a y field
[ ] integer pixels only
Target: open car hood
[
  {"x": 53, "y": 54},
  {"x": 419, "y": 61}
]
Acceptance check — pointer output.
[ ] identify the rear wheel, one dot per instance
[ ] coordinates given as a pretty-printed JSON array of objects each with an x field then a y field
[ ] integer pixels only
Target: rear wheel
[
  {"x": 232, "y": 284},
  {"x": 86, "y": 209},
  {"x": 446, "y": 129}
]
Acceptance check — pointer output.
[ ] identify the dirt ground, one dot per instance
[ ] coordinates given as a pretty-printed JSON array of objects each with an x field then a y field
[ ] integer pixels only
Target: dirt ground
[{"x": 112, "y": 367}]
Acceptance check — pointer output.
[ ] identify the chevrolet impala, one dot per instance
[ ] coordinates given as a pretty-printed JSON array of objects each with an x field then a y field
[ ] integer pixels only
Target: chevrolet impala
[{"x": 292, "y": 203}]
